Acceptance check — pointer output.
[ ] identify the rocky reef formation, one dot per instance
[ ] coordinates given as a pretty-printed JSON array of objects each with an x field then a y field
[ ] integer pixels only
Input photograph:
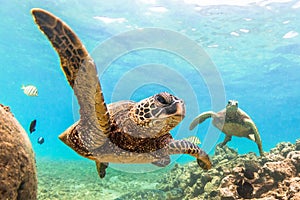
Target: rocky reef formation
[
  {"x": 274, "y": 176},
  {"x": 17, "y": 163}
]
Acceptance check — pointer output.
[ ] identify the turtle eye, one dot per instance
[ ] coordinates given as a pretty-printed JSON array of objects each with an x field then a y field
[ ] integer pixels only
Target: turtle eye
[{"x": 161, "y": 99}]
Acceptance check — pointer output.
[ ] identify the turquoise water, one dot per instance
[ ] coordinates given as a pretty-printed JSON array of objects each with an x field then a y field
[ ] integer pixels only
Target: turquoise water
[{"x": 254, "y": 47}]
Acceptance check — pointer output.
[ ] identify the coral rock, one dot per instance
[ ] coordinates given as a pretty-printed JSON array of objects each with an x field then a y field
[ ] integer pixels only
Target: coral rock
[
  {"x": 228, "y": 193},
  {"x": 283, "y": 148},
  {"x": 294, "y": 156},
  {"x": 280, "y": 170},
  {"x": 297, "y": 145},
  {"x": 17, "y": 167},
  {"x": 273, "y": 176}
]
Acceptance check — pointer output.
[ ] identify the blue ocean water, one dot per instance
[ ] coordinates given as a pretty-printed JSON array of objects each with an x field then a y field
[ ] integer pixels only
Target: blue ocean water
[{"x": 254, "y": 47}]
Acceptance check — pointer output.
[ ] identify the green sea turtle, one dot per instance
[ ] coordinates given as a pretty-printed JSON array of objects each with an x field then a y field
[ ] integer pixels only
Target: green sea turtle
[
  {"x": 233, "y": 122},
  {"x": 121, "y": 132}
]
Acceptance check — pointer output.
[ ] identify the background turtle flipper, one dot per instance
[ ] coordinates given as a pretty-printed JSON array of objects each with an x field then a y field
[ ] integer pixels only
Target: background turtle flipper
[
  {"x": 81, "y": 73},
  {"x": 256, "y": 135},
  {"x": 201, "y": 118}
]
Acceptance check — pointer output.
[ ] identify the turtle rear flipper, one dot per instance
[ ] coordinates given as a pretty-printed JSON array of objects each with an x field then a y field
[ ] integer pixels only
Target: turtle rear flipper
[
  {"x": 162, "y": 162},
  {"x": 101, "y": 168},
  {"x": 186, "y": 147},
  {"x": 73, "y": 139},
  {"x": 81, "y": 73},
  {"x": 226, "y": 140}
]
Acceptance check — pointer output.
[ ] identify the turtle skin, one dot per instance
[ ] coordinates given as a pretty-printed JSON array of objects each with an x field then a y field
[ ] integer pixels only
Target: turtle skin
[
  {"x": 232, "y": 121},
  {"x": 120, "y": 132}
]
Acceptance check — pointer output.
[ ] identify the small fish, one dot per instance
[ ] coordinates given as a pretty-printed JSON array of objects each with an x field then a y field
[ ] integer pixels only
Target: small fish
[
  {"x": 193, "y": 139},
  {"x": 30, "y": 90},
  {"x": 40, "y": 140},
  {"x": 32, "y": 126}
]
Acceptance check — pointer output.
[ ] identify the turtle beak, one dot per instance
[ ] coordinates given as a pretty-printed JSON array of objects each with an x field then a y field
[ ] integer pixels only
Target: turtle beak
[
  {"x": 175, "y": 110},
  {"x": 180, "y": 109}
]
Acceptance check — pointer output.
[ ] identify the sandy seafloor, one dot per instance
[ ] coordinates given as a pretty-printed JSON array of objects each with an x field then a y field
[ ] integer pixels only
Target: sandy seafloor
[
  {"x": 276, "y": 175},
  {"x": 79, "y": 180}
]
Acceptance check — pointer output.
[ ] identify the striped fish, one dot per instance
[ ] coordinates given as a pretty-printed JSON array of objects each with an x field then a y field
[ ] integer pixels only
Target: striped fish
[
  {"x": 30, "y": 90},
  {"x": 193, "y": 139}
]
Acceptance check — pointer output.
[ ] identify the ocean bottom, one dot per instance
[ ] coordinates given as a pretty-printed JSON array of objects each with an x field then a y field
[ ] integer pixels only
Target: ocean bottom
[{"x": 66, "y": 180}]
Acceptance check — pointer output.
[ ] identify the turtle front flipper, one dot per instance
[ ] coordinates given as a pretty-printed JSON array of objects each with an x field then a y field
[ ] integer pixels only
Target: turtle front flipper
[
  {"x": 80, "y": 71},
  {"x": 201, "y": 118},
  {"x": 186, "y": 147},
  {"x": 256, "y": 135},
  {"x": 101, "y": 168}
]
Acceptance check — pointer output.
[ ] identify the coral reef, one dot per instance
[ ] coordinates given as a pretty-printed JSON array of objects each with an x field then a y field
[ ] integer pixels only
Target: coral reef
[
  {"x": 274, "y": 176},
  {"x": 17, "y": 167}
]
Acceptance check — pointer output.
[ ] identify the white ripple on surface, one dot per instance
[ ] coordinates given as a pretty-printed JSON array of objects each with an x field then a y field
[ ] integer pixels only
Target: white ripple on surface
[
  {"x": 286, "y": 22},
  {"x": 148, "y": 1},
  {"x": 290, "y": 34},
  {"x": 296, "y": 5},
  {"x": 234, "y": 2},
  {"x": 244, "y": 30},
  {"x": 213, "y": 46},
  {"x": 108, "y": 20},
  {"x": 234, "y": 34}
]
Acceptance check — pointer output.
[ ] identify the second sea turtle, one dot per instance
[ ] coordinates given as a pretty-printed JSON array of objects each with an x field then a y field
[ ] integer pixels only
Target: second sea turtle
[{"x": 232, "y": 121}]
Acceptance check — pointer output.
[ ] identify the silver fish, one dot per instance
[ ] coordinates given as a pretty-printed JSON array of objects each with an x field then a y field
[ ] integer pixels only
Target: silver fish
[{"x": 30, "y": 90}]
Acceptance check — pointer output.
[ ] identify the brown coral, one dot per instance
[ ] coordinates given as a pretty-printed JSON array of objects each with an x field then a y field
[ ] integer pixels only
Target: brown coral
[
  {"x": 17, "y": 167},
  {"x": 275, "y": 176}
]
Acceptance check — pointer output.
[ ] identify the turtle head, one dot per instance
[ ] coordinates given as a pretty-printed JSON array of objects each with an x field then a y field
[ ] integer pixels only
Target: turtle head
[
  {"x": 159, "y": 113},
  {"x": 232, "y": 106}
]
